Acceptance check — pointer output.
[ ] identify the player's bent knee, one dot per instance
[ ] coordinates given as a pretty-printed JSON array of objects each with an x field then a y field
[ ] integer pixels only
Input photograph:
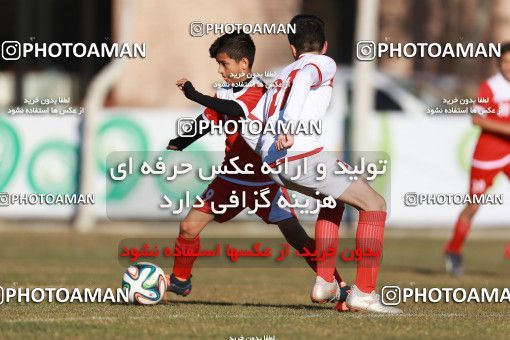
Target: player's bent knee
[
  {"x": 381, "y": 203},
  {"x": 189, "y": 229}
]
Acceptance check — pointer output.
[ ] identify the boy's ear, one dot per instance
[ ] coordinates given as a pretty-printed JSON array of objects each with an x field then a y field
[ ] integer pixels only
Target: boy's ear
[
  {"x": 325, "y": 47},
  {"x": 245, "y": 63},
  {"x": 293, "y": 51}
]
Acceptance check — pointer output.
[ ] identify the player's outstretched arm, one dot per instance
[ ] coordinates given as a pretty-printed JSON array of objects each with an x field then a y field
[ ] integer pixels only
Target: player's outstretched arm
[
  {"x": 492, "y": 126},
  {"x": 182, "y": 142},
  {"x": 225, "y": 106},
  {"x": 301, "y": 85}
]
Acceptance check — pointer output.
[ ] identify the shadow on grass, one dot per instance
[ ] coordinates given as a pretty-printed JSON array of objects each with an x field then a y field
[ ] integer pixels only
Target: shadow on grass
[
  {"x": 251, "y": 304},
  {"x": 442, "y": 272}
]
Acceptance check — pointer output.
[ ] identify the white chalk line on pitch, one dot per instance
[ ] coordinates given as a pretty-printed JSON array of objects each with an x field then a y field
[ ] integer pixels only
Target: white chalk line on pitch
[
  {"x": 202, "y": 316},
  {"x": 92, "y": 318}
]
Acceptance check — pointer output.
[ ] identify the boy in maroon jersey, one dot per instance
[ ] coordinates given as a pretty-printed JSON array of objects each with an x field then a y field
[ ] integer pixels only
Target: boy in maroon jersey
[{"x": 235, "y": 54}]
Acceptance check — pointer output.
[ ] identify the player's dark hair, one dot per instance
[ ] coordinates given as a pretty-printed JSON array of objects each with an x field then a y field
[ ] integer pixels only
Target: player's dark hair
[
  {"x": 505, "y": 48},
  {"x": 235, "y": 45},
  {"x": 309, "y": 36}
]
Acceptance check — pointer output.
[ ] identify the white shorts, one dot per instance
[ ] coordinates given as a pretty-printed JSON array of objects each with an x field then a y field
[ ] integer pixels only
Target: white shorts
[{"x": 308, "y": 184}]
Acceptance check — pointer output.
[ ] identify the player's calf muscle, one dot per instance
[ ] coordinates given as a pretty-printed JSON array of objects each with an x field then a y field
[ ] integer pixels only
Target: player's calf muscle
[
  {"x": 294, "y": 233},
  {"x": 377, "y": 203},
  {"x": 469, "y": 211}
]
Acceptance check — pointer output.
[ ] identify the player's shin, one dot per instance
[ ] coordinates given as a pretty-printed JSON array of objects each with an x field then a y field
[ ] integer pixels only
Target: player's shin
[
  {"x": 369, "y": 237},
  {"x": 297, "y": 237},
  {"x": 326, "y": 239},
  {"x": 184, "y": 264},
  {"x": 460, "y": 233},
  {"x": 312, "y": 262}
]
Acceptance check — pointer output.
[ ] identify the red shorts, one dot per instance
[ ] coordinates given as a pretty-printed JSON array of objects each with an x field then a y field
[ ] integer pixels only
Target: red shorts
[
  {"x": 219, "y": 193},
  {"x": 482, "y": 177}
]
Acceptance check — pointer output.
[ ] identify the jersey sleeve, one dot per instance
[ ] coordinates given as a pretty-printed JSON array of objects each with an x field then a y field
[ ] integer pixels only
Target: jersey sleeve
[
  {"x": 210, "y": 114},
  {"x": 248, "y": 101},
  {"x": 253, "y": 106},
  {"x": 484, "y": 99},
  {"x": 322, "y": 68},
  {"x": 301, "y": 85}
]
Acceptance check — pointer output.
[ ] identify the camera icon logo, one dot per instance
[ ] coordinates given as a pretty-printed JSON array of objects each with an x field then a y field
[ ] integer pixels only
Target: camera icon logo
[
  {"x": 196, "y": 29},
  {"x": 11, "y": 50},
  {"x": 390, "y": 295},
  {"x": 186, "y": 127},
  {"x": 365, "y": 50},
  {"x": 411, "y": 199},
  {"x": 4, "y": 199}
]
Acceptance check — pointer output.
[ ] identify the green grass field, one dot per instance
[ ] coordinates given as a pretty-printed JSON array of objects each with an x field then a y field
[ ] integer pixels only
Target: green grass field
[{"x": 243, "y": 302}]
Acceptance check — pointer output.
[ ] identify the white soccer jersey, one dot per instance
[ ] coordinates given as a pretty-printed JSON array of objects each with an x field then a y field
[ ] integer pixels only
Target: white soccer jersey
[{"x": 301, "y": 92}]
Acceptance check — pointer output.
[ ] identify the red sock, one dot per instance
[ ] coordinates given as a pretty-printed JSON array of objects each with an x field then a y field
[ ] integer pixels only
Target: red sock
[
  {"x": 326, "y": 237},
  {"x": 184, "y": 264},
  {"x": 507, "y": 251},
  {"x": 369, "y": 234},
  {"x": 459, "y": 236},
  {"x": 313, "y": 262}
]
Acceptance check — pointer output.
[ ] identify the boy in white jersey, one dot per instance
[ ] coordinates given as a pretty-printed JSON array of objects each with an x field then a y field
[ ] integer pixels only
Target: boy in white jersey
[
  {"x": 302, "y": 92},
  {"x": 305, "y": 95}
]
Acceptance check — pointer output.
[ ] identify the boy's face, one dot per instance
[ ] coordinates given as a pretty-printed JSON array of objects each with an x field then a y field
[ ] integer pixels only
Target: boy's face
[
  {"x": 504, "y": 65},
  {"x": 232, "y": 71}
]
